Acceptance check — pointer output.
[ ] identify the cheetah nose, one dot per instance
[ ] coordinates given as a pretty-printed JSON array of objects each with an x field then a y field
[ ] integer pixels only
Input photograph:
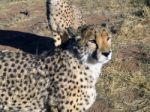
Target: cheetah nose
[{"x": 106, "y": 53}]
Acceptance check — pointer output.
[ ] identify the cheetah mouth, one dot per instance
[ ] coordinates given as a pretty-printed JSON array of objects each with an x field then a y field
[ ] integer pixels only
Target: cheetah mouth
[
  {"x": 103, "y": 59},
  {"x": 96, "y": 57}
]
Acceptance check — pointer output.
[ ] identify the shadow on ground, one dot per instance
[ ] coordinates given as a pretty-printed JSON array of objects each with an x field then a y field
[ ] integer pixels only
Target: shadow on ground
[{"x": 26, "y": 42}]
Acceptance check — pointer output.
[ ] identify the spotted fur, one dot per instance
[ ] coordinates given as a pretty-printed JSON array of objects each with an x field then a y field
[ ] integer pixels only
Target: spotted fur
[
  {"x": 63, "y": 81},
  {"x": 62, "y": 14}
]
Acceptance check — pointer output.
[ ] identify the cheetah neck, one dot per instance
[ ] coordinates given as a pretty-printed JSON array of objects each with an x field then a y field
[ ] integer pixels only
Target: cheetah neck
[{"x": 95, "y": 70}]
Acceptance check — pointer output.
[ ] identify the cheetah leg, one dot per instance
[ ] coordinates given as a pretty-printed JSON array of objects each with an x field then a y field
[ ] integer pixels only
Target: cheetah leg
[{"x": 57, "y": 38}]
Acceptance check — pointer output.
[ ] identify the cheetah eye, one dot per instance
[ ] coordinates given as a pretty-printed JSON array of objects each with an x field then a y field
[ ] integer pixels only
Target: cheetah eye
[
  {"x": 108, "y": 38},
  {"x": 92, "y": 41}
]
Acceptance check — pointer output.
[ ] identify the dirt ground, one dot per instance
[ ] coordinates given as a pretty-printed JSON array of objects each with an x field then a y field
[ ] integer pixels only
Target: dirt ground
[{"x": 124, "y": 85}]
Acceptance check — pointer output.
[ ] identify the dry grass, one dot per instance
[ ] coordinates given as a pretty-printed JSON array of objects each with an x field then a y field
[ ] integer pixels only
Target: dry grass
[{"x": 125, "y": 83}]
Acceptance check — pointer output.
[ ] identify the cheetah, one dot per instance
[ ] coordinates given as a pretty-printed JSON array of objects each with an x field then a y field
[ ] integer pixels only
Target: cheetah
[
  {"x": 61, "y": 15},
  {"x": 61, "y": 81}
]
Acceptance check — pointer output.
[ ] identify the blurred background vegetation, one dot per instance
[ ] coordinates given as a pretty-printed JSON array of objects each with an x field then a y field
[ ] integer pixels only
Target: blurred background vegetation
[
  {"x": 95, "y": 6},
  {"x": 125, "y": 83}
]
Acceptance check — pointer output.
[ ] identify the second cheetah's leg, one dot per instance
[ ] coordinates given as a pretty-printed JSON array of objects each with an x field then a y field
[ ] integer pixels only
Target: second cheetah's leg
[{"x": 57, "y": 38}]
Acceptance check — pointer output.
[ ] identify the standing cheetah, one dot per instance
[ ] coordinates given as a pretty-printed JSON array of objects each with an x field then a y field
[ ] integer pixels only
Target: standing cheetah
[
  {"x": 63, "y": 80},
  {"x": 62, "y": 14}
]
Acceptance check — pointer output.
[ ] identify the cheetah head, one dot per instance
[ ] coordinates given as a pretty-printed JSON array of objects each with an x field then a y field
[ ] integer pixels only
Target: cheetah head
[{"x": 93, "y": 44}]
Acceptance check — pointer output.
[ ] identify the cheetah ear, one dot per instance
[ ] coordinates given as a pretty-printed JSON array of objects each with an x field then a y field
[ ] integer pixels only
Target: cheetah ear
[
  {"x": 104, "y": 24},
  {"x": 113, "y": 29},
  {"x": 82, "y": 31},
  {"x": 73, "y": 33},
  {"x": 82, "y": 28}
]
